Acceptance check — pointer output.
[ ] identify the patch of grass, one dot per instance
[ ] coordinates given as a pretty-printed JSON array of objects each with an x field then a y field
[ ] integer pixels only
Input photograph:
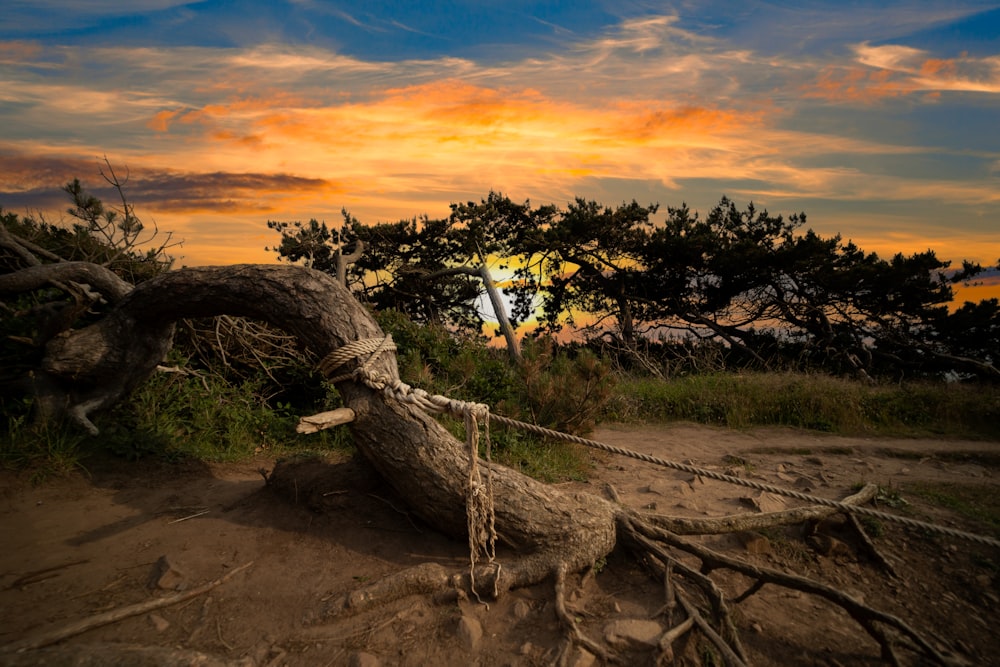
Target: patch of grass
[
  {"x": 977, "y": 502},
  {"x": 45, "y": 450},
  {"x": 811, "y": 401},
  {"x": 872, "y": 526},
  {"x": 202, "y": 416},
  {"x": 889, "y": 496},
  {"x": 546, "y": 461}
]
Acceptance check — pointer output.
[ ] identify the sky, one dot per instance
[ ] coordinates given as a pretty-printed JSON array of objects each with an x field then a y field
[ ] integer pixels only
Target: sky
[{"x": 879, "y": 120}]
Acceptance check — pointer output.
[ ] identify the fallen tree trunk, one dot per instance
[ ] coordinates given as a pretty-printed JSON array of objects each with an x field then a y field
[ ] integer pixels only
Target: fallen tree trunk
[
  {"x": 415, "y": 454},
  {"x": 549, "y": 532}
]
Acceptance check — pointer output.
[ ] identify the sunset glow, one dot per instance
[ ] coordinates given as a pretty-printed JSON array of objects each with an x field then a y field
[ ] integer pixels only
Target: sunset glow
[{"x": 879, "y": 125}]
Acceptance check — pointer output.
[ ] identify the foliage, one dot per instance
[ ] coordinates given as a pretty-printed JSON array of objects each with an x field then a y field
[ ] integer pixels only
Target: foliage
[
  {"x": 191, "y": 413},
  {"x": 233, "y": 383},
  {"x": 419, "y": 267},
  {"x": 812, "y": 401},
  {"x": 977, "y": 502},
  {"x": 46, "y": 449},
  {"x": 552, "y": 387},
  {"x": 673, "y": 306}
]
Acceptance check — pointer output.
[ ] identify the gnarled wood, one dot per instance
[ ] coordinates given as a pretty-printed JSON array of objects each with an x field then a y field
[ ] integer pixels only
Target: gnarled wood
[
  {"x": 416, "y": 455},
  {"x": 549, "y": 532}
]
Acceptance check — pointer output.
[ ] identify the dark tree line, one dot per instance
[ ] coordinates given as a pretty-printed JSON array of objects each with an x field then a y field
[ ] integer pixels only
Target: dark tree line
[{"x": 765, "y": 291}]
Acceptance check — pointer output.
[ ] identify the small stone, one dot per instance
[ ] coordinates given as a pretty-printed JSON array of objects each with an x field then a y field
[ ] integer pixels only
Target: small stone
[
  {"x": 765, "y": 502},
  {"x": 804, "y": 483},
  {"x": 362, "y": 659},
  {"x": 167, "y": 576},
  {"x": 829, "y": 546},
  {"x": 582, "y": 658},
  {"x": 635, "y": 632},
  {"x": 757, "y": 627},
  {"x": 159, "y": 622},
  {"x": 755, "y": 543},
  {"x": 521, "y": 609},
  {"x": 527, "y": 648},
  {"x": 469, "y": 632}
]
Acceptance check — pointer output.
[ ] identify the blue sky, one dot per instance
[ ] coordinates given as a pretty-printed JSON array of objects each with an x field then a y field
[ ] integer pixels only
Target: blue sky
[{"x": 879, "y": 120}]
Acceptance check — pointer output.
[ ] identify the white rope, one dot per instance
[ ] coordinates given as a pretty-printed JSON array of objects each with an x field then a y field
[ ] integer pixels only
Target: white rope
[
  {"x": 479, "y": 507},
  {"x": 437, "y": 404}
]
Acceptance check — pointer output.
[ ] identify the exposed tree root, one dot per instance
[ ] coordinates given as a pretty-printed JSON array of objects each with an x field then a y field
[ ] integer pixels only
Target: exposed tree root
[
  {"x": 735, "y": 523},
  {"x": 865, "y": 616},
  {"x": 655, "y": 546},
  {"x": 550, "y": 532},
  {"x": 568, "y": 623},
  {"x": 870, "y": 548}
]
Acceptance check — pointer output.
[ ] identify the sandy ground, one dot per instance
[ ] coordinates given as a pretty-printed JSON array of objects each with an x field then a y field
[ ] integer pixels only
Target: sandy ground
[{"x": 126, "y": 534}]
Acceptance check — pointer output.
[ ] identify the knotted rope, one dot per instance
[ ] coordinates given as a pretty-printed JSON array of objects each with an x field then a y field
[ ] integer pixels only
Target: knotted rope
[
  {"x": 479, "y": 507},
  {"x": 439, "y": 404}
]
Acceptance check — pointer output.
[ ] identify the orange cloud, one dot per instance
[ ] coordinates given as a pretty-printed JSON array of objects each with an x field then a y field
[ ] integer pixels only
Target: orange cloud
[
  {"x": 160, "y": 122},
  {"x": 917, "y": 72},
  {"x": 935, "y": 67},
  {"x": 857, "y": 84},
  {"x": 17, "y": 52}
]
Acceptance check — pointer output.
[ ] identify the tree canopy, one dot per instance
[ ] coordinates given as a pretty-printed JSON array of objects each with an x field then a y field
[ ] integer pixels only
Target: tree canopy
[{"x": 765, "y": 290}]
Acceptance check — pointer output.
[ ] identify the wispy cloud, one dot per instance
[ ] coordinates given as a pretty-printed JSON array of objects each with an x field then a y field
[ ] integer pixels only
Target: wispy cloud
[{"x": 653, "y": 103}]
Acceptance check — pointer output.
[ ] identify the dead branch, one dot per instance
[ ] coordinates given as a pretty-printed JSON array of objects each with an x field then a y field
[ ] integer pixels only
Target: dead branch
[
  {"x": 864, "y": 615},
  {"x": 79, "y": 627},
  {"x": 324, "y": 420}
]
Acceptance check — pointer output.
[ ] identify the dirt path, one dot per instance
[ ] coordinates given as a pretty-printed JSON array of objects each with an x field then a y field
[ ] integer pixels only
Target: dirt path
[{"x": 128, "y": 534}]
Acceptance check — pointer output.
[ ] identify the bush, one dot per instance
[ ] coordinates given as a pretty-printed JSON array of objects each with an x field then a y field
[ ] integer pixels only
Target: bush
[
  {"x": 812, "y": 401},
  {"x": 191, "y": 413}
]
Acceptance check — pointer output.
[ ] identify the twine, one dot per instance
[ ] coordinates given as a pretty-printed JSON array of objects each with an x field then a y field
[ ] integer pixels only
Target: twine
[
  {"x": 481, "y": 513},
  {"x": 479, "y": 506}
]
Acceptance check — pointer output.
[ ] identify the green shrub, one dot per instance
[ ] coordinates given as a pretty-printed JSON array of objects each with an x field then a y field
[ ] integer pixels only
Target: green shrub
[
  {"x": 189, "y": 413},
  {"x": 44, "y": 448}
]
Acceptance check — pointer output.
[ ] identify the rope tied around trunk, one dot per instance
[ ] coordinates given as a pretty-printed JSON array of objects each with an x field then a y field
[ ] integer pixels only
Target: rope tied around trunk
[
  {"x": 439, "y": 404},
  {"x": 479, "y": 506}
]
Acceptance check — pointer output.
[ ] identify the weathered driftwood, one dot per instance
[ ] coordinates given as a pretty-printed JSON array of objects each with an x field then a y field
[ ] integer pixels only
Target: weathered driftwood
[{"x": 324, "y": 420}]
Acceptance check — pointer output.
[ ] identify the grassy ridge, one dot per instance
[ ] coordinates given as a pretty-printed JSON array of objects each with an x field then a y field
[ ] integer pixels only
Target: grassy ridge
[
  {"x": 198, "y": 414},
  {"x": 815, "y": 402}
]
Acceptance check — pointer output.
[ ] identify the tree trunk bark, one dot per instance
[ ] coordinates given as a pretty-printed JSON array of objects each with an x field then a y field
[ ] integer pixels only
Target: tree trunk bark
[{"x": 416, "y": 455}]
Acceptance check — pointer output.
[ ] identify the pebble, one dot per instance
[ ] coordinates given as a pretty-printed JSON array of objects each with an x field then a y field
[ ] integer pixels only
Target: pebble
[
  {"x": 582, "y": 658},
  {"x": 362, "y": 659},
  {"x": 521, "y": 609},
  {"x": 469, "y": 632},
  {"x": 159, "y": 622},
  {"x": 636, "y": 632},
  {"x": 167, "y": 576}
]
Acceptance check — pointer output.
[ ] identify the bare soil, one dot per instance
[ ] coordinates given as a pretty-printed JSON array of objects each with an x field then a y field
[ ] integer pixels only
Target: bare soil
[{"x": 122, "y": 534}]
